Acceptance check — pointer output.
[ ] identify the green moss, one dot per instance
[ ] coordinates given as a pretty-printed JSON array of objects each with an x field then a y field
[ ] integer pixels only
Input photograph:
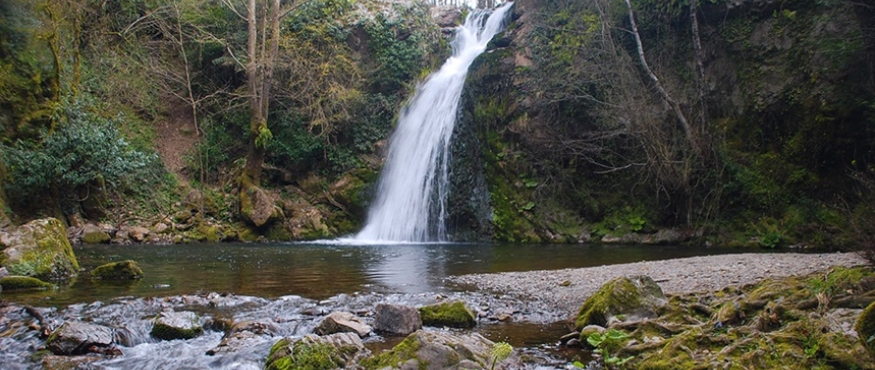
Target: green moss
[
  {"x": 618, "y": 296},
  {"x": 52, "y": 257},
  {"x": 123, "y": 270},
  {"x": 865, "y": 327},
  {"x": 451, "y": 314},
  {"x": 303, "y": 355},
  {"x": 96, "y": 237},
  {"x": 23, "y": 283},
  {"x": 393, "y": 358}
]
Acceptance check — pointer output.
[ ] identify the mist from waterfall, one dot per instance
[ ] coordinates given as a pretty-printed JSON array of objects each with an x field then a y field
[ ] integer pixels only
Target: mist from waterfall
[{"x": 411, "y": 199}]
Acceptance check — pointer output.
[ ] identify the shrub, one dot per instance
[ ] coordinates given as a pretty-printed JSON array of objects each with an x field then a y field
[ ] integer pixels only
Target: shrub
[{"x": 85, "y": 149}]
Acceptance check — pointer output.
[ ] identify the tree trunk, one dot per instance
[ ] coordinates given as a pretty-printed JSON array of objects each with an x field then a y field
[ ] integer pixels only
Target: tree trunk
[
  {"x": 685, "y": 124},
  {"x": 255, "y": 155}
]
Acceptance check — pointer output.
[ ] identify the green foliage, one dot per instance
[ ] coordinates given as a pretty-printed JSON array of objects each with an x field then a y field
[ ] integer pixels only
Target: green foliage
[
  {"x": 499, "y": 352},
  {"x": 621, "y": 221},
  {"x": 86, "y": 149},
  {"x": 399, "y": 47},
  {"x": 607, "y": 343}
]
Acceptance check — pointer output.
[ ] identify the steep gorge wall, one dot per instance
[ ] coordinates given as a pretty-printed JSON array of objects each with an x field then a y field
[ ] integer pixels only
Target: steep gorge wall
[{"x": 577, "y": 144}]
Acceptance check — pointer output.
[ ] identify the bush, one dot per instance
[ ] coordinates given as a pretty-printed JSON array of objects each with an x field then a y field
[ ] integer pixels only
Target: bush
[{"x": 85, "y": 149}]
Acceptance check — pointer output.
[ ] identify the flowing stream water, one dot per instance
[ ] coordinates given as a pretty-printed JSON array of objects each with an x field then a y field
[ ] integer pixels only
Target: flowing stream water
[{"x": 410, "y": 205}]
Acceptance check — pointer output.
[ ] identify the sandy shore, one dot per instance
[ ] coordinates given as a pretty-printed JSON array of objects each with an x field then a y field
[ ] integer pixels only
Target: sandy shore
[{"x": 674, "y": 276}]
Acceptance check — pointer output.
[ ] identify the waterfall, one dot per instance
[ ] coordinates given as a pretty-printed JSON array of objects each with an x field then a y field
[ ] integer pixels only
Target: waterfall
[{"x": 410, "y": 204}]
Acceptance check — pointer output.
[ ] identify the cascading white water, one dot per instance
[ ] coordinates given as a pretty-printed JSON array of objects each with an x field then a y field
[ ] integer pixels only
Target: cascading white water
[{"x": 410, "y": 205}]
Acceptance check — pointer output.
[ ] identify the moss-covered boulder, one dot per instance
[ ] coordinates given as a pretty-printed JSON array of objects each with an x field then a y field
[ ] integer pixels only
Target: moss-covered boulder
[
  {"x": 314, "y": 352},
  {"x": 450, "y": 314},
  {"x": 93, "y": 234},
  {"x": 123, "y": 270},
  {"x": 8, "y": 283},
  {"x": 176, "y": 325},
  {"x": 865, "y": 328},
  {"x": 622, "y": 299},
  {"x": 39, "y": 249},
  {"x": 440, "y": 350}
]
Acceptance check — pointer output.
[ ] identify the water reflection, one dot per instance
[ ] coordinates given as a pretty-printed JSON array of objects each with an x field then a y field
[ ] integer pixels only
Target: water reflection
[{"x": 320, "y": 270}]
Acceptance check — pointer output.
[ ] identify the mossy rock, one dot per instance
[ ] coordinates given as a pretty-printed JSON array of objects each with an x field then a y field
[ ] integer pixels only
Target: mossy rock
[
  {"x": 39, "y": 249},
  {"x": 124, "y": 270},
  {"x": 450, "y": 314},
  {"x": 176, "y": 325},
  {"x": 865, "y": 328},
  {"x": 95, "y": 236},
  {"x": 23, "y": 283},
  {"x": 314, "y": 352},
  {"x": 440, "y": 350},
  {"x": 622, "y": 299}
]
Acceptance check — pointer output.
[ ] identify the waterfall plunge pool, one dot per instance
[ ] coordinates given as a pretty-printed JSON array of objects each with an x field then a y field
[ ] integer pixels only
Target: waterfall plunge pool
[{"x": 292, "y": 285}]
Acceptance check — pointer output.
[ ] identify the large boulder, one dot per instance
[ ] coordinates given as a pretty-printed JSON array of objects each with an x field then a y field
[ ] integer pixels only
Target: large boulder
[
  {"x": 396, "y": 320},
  {"x": 39, "y": 249},
  {"x": 123, "y": 270},
  {"x": 177, "y": 325},
  {"x": 342, "y": 322},
  {"x": 441, "y": 350},
  {"x": 76, "y": 338},
  {"x": 333, "y": 351},
  {"x": 259, "y": 207},
  {"x": 865, "y": 328},
  {"x": 450, "y": 314},
  {"x": 630, "y": 298}
]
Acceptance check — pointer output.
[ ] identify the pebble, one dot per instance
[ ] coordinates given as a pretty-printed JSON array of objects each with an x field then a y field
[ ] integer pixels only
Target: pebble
[{"x": 694, "y": 274}]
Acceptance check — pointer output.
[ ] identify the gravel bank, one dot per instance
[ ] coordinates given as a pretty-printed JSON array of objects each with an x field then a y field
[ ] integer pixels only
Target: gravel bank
[{"x": 693, "y": 274}]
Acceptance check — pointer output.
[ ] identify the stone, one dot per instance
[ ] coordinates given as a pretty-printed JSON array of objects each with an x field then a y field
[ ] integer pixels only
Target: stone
[
  {"x": 123, "y": 270},
  {"x": 139, "y": 233},
  {"x": 396, "y": 320},
  {"x": 13, "y": 282},
  {"x": 446, "y": 15},
  {"x": 39, "y": 249},
  {"x": 624, "y": 299},
  {"x": 3, "y": 272},
  {"x": 259, "y": 207},
  {"x": 865, "y": 327},
  {"x": 441, "y": 350},
  {"x": 449, "y": 314},
  {"x": 92, "y": 234},
  {"x": 342, "y": 322},
  {"x": 55, "y": 362},
  {"x": 176, "y": 325},
  {"x": 314, "y": 352},
  {"x": 160, "y": 227},
  {"x": 76, "y": 338}
]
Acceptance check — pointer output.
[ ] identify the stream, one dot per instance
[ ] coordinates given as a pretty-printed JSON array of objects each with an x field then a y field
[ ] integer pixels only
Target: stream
[{"x": 293, "y": 286}]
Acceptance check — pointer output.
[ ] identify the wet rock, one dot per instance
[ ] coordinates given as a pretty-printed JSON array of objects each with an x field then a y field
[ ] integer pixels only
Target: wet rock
[
  {"x": 93, "y": 234},
  {"x": 622, "y": 299},
  {"x": 176, "y": 325},
  {"x": 53, "y": 362},
  {"x": 450, "y": 314},
  {"x": 565, "y": 338},
  {"x": 254, "y": 327},
  {"x": 76, "y": 338},
  {"x": 396, "y": 320},
  {"x": 124, "y": 270},
  {"x": 865, "y": 328},
  {"x": 236, "y": 342},
  {"x": 39, "y": 249},
  {"x": 440, "y": 350},
  {"x": 13, "y": 282},
  {"x": 315, "y": 352},
  {"x": 342, "y": 322},
  {"x": 139, "y": 234}
]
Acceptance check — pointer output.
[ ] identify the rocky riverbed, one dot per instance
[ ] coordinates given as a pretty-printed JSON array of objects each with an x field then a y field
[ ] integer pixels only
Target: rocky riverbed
[{"x": 564, "y": 290}]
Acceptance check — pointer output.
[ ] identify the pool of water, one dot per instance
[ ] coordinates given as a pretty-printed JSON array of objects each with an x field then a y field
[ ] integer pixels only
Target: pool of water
[{"x": 319, "y": 270}]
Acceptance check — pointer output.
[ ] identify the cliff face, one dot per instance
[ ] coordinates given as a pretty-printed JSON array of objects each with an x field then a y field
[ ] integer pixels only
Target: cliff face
[{"x": 762, "y": 129}]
